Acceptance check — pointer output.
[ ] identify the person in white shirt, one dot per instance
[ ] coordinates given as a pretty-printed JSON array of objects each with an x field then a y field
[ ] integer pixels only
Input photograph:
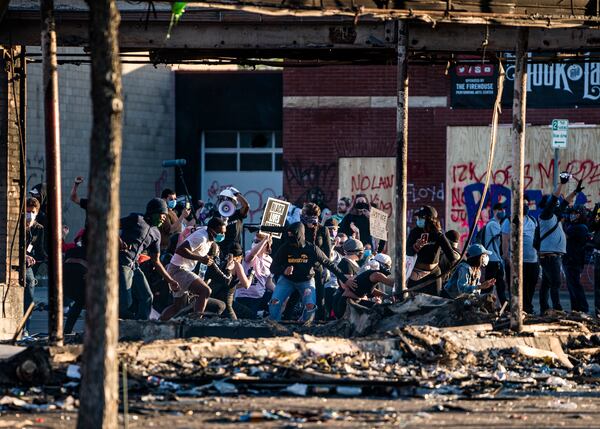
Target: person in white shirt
[
  {"x": 192, "y": 250},
  {"x": 492, "y": 241}
]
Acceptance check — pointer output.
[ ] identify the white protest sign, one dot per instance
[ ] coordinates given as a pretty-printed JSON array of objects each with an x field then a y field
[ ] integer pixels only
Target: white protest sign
[
  {"x": 378, "y": 221},
  {"x": 275, "y": 214}
]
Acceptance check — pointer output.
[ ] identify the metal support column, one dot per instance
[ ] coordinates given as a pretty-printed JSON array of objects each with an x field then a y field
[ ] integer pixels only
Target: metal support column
[
  {"x": 53, "y": 185},
  {"x": 517, "y": 181},
  {"x": 401, "y": 156}
]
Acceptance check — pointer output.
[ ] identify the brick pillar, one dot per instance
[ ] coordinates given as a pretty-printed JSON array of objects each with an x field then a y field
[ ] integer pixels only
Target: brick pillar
[{"x": 11, "y": 190}]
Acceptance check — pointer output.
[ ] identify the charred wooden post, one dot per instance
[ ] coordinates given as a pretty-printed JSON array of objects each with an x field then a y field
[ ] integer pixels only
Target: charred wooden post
[
  {"x": 52, "y": 132},
  {"x": 517, "y": 179},
  {"x": 401, "y": 156},
  {"x": 99, "y": 389}
]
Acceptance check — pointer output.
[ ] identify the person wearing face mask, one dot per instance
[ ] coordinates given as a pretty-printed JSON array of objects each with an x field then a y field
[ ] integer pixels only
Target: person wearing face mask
[
  {"x": 427, "y": 242},
  {"x": 552, "y": 242},
  {"x": 342, "y": 208},
  {"x": 577, "y": 234},
  {"x": 139, "y": 234},
  {"x": 294, "y": 266},
  {"x": 193, "y": 249},
  {"x": 319, "y": 236},
  {"x": 446, "y": 264},
  {"x": 173, "y": 224},
  {"x": 35, "y": 250},
  {"x": 531, "y": 266},
  {"x": 491, "y": 239},
  {"x": 466, "y": 279},
  {"x": 366, "y": 285},
  {"x": 356, "y": 222}
]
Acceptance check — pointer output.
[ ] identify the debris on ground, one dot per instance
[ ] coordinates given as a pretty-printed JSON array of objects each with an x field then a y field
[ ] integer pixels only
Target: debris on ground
[{"x": 459, "y": 351}]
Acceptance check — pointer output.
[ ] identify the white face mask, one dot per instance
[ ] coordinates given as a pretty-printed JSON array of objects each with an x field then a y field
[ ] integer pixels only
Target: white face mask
[
  {"x": 30, "y": 216},
  {"x": 485, "y": 259}
]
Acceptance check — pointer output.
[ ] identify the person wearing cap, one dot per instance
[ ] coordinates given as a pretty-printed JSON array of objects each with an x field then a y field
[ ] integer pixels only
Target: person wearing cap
[
  {"x": 553, "y": 241},
  {"x": 39, "y": 193},
  {"x": 366, "y": 282},
  {"x": 349, "y": 265},
  {"x": 139, "y": 234},
  {"x": 466, "y": 279},
  {"x": 446, "y": 263},
  {"x": 491, "y": 239},
  {"x": 427, "y": 242},
  {"x": 531, "y": 266}
]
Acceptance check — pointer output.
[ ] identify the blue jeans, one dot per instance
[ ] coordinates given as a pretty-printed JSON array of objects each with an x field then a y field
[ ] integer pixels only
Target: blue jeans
[
  {"x": 284, "y": 289},
  {"x": 135, "y": 295}
]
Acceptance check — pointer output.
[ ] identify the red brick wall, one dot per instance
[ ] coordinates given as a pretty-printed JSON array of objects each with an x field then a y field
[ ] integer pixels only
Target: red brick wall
[{"x": 314, "y": 139}]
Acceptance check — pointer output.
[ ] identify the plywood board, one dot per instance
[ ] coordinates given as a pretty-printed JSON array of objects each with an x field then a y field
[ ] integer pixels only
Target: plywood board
[
  {"x": 467, "y": 154},
  {"x": 375, "y": 177}
]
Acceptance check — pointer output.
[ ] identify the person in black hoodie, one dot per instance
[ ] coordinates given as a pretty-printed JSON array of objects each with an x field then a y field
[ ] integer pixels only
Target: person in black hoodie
[
  {"x": 574, "y": 260},
  {"x": 426, "y": 242},
  {"x": 356, "y": 223},
  {"x": 317, "y": 234},
  {"x": 294, "y": 265}
]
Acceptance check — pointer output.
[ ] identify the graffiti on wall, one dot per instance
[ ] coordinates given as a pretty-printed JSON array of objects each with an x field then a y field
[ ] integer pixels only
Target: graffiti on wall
[
  {"x": 466, "y": 171},
  {"x": 315, "y": 181},
  {"x": 36, "y": 169}
]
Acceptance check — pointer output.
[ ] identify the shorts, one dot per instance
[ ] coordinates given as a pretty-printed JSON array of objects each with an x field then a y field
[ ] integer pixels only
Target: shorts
[{"x": 184, "y": 277}]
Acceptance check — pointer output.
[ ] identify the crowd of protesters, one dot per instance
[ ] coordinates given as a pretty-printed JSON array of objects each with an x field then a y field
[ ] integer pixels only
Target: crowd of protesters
[{"x": 177, "y": 260}]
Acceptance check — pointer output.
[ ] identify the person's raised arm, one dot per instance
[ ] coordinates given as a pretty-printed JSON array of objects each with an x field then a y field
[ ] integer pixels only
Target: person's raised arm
[
  {"x": 256, "y": 250},
  {"x": 74, "y": 197}
]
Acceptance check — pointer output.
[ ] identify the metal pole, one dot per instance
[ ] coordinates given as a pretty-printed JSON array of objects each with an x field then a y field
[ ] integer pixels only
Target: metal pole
[
  {"x": 54, "y": 225},
  {"x": 517, "y": 180},
  {"x": 401, "y": 156},
  {"x": 556, "y": 168}
]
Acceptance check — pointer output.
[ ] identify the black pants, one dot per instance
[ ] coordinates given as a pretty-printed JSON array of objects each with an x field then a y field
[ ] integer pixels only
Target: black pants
[
  {"x": 254, "y": 305},
  {"x": 551, "y": 280},
  {"x": 576, "y": 293},
  {"x": 74, "y": 289},
  {"x": 495, "y": 270},
  {"x": 531, "y": 272},
  {"x": 320, "y": 289},
  {"x": 329, "y": 294}
]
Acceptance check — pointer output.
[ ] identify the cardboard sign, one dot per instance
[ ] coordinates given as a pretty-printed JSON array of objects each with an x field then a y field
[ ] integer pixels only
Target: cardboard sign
[
  {"x": 378, "y": 223},
  {"x": 275, "y": 214}
]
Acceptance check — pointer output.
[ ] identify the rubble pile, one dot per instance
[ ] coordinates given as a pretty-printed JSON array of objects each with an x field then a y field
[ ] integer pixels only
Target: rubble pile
[{"x": 421, "y": 347}]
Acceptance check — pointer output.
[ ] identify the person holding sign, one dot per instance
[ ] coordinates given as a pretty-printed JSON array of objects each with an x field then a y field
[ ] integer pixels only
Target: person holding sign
[
  {"x": 356, "y": 223},
  {"x": 294, "y": 266}
]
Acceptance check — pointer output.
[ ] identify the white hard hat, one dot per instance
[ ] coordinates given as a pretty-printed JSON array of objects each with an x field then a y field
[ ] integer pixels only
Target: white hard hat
[{"x": 228, "y": 193}]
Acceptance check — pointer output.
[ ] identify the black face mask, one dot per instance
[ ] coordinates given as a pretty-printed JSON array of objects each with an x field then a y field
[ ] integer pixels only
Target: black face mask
[
  {"x": 384, "y": 269},
  {"x": 362, "y": 206}
]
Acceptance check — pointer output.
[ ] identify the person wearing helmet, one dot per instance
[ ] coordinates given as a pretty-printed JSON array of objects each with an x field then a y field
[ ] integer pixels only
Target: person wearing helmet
[
  {"x": 466, "y": 279},
  {"x": 366, "y": 284},
  {"x": 577, "y": 234},
  {"x": 139, "y": 234},
  {"x": 233, "y": 216}
]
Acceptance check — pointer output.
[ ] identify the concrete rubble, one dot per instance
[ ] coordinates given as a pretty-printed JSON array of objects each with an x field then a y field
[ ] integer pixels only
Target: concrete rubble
[{"x": 456, "y": 348}]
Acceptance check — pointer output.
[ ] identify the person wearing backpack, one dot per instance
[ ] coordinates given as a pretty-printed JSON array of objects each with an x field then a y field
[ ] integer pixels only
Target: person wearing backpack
[
  {"x": 492, "y": 240},
  {"x": 553, "y": 242},
  {"x": 531, "y": 265}
]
